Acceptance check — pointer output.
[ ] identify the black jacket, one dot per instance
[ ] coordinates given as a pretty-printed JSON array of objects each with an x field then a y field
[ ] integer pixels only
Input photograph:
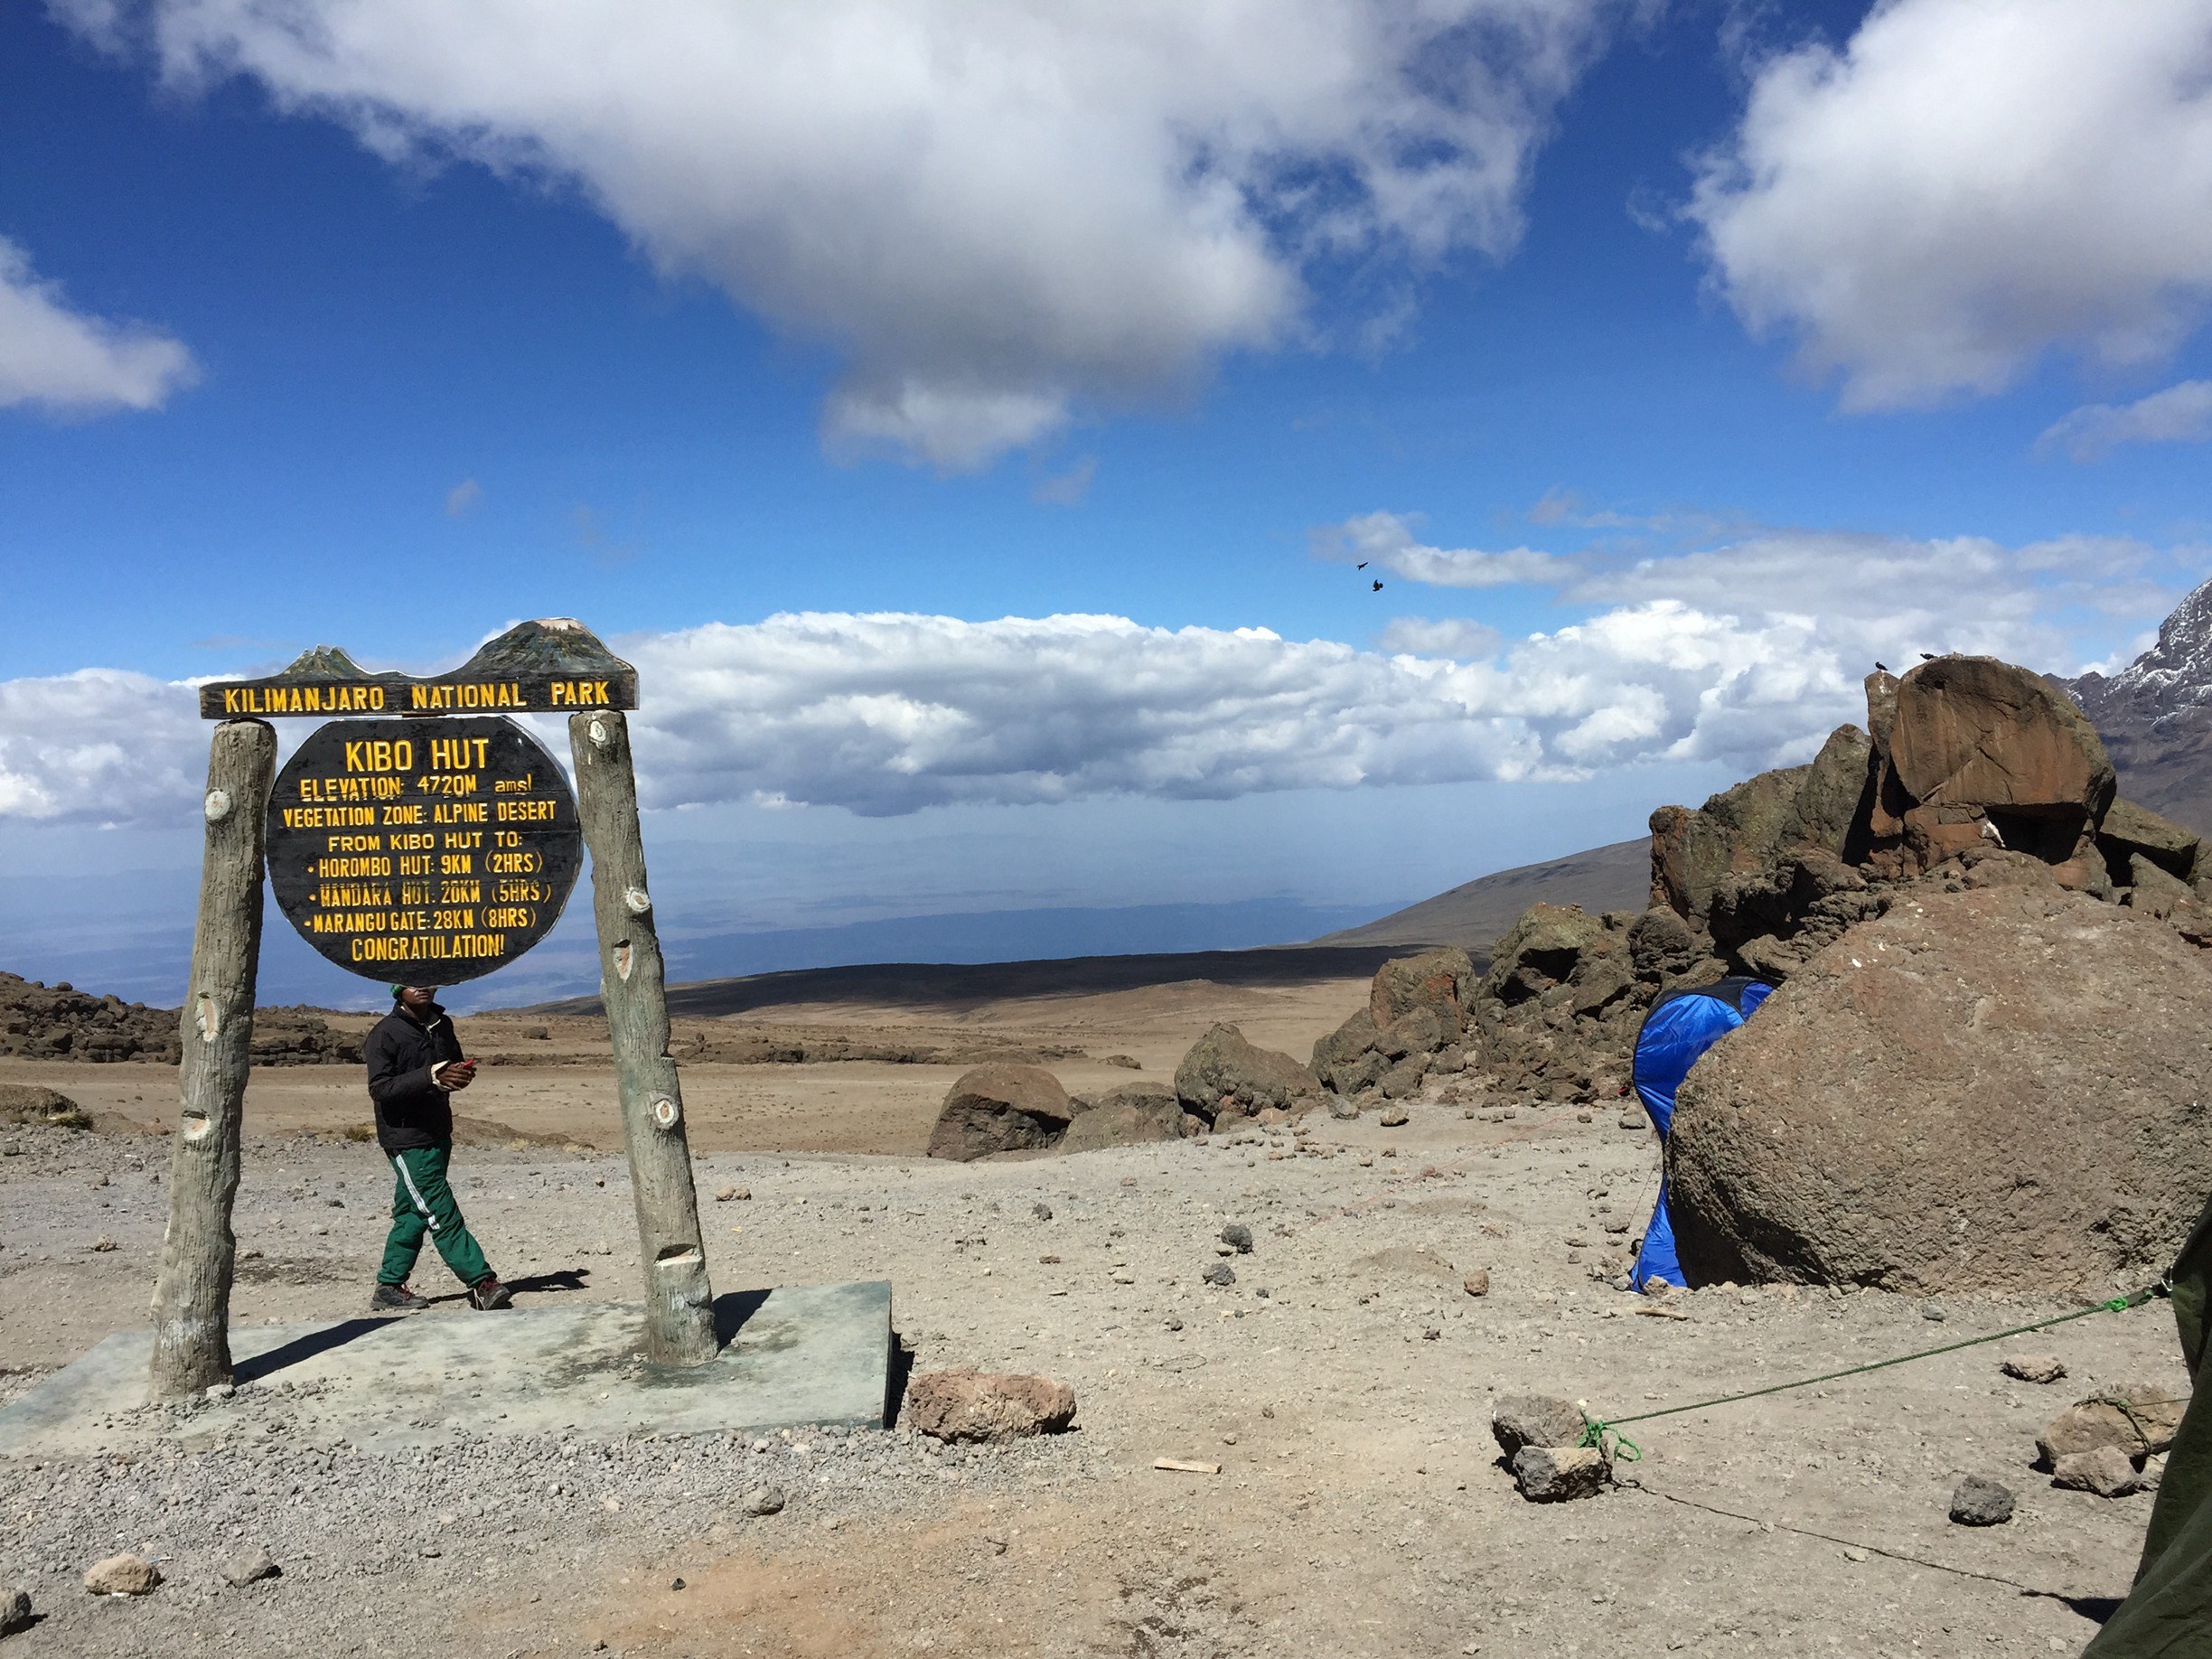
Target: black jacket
[{"x": 411, "y": 1111}]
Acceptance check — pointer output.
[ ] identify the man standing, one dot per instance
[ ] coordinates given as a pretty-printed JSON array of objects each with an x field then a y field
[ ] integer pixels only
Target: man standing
[{"x": 415, "y": 1063}]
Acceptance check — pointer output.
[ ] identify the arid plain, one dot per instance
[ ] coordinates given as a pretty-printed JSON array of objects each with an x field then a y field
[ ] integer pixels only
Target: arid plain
[{"x": 1343, "y": 1383}]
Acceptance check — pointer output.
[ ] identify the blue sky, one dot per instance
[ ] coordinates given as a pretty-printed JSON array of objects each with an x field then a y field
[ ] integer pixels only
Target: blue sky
[{"x": 391, "y": 326}]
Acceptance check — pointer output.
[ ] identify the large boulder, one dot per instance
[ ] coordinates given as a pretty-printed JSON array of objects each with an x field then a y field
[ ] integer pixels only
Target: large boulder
[
  {"x": 1996, "y": 1088},
  {"x": 1000, "y": 1107},
  {"x": 1980, "y": 748},
  {"x": 1223, "y": 1077},
  {"x": 1546, "y": 947},
  {"x": 1125, "y": 1117},
  {"x": 2131, "y": 832},
  {"x": 1438, "y": 981}
]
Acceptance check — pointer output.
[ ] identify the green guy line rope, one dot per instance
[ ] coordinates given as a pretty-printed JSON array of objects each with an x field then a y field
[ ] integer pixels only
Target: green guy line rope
[{"x": 1597, "y": 1427}]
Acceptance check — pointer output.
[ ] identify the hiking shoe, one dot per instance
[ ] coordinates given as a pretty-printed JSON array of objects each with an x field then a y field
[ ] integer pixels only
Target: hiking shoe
[
  {"x": 395, "y": 1298},
  {"x": 487, "y": 1294}
]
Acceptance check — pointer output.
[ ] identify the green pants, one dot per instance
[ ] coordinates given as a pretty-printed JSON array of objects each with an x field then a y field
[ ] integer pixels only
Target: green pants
[{"x": 423, "y": 1203}]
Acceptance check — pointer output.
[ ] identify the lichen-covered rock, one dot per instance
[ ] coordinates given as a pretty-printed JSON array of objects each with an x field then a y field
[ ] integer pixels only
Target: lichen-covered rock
[
  {"x": 1223, "y": 1076},
  {"x": 982, "y": 1405},
  {"x": 1000, "y": 1107},
  {"x": 1989, "y": 1089}
]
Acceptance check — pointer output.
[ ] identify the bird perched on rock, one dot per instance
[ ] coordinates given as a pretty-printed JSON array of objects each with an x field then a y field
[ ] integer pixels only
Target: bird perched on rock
[
  {"x": 1927, "y": 656},
  {"x": 1881, "y": 667}
]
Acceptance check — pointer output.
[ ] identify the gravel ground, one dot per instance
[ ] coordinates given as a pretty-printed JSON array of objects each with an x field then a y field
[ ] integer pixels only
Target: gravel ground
[{"x": 1342, "y": 1382}]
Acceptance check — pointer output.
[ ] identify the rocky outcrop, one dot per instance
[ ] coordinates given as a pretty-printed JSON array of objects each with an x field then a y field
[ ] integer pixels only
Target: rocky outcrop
[
  {"x": 1128, "y": 1116},
  {"x": 1996, "y": 1087},
  {"x": 60, "y": 1022},
  {"x": 1224, "y": 1078},
  {"x": 1001, "y": 1108},
  {"x": 1416, "y": 1016}
]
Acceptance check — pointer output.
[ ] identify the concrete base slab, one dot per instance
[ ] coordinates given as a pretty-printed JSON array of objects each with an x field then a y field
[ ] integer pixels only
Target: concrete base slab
[{"x": 804, "y": 1353}]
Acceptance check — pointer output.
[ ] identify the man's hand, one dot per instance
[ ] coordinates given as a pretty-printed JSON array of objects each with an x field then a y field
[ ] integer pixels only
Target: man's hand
[{"x": 454, "y": 1074}]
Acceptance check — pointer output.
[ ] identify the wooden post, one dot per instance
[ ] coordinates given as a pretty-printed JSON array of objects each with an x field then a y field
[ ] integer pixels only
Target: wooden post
[
  {"x": 679, "y": 1324},
  {"x": 192, "y": 1299}
]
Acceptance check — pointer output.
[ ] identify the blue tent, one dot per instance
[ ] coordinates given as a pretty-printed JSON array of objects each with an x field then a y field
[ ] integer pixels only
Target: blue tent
[{"x": 1681, "y": 1027}]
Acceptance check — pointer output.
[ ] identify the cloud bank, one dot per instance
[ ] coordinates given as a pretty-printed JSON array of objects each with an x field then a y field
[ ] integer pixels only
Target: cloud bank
[
  {"x": 64, "y": 362},
  {"x": 1744, "y": 654},
  {"x": 1968, "y": 184},
  {"x": 993, "y": 211}
]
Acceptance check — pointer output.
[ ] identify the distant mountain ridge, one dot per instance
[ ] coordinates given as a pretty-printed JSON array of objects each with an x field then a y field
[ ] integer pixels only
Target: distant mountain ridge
[
  {"x": 2155, "y": 716},
  {"x": 1473, "y": 914}
]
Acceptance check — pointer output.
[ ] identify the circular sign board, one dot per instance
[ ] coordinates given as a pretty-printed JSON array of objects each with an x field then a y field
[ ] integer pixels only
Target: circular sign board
[{"x": 426, "y": 851}]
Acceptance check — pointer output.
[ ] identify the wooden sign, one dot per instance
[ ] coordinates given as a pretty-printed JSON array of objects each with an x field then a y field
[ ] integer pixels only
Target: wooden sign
[
  {"x": 552, "y": 667},
  {"x": 424, "y": 851}
]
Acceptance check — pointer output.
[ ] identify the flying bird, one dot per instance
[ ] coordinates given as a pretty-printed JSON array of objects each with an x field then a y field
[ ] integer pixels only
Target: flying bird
[
  {"x": 1363, "y": 564},
  {"x": 1378, "y": 587}
]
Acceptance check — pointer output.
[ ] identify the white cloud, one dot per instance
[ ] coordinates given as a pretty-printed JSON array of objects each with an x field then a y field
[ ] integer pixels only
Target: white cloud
[
  {"x": 101, "y": 745},
  {"x": 994, "y": 210},
  {"x": 1386, "y": 540},
  {"x": 2182, "y": 414},
  {"x": 1420, "y": 636},
  {"x": 464, "y": 498},
  {"x": 1742, "y": 655},
  {"x": 64, "y": 362},
  {"x": 1969, "y": 184}
]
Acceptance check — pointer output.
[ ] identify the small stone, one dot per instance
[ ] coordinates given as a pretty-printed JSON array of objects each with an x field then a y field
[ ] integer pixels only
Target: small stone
[
  {"x": 1534, "y": 1419},
  {"x": 1852, "y": 1552},
  {"x": 1977, "y": 1501},
  {"x": 1395, "y": 1117},
  {"x": 2034, "y": 1367},
  {"x": 1042, "y": 1212},
  {"x": 103, "y": 1242},
  {"x": 122, "y": 1575},
  {"x": 1477, "y": 1283},
  {"x": 980, "y": 1405},
  {"x": 675, "y": 1584},
  {"x": 1341, "y": 1109},
  {"x": 1238, "y": 1237},
  {"x": 1174, "y": 1323},
  {"x": 1219, "y": 1273},
  {"x": 1430, "y": 1333},
  {"x": 731, "y": 1193},
  {"x": 430, "y": 1552},
  {"x": 1122, "y": 1276},
  {"x": 763, "y": 1501},
  {"x": 1933, "y": 1310},
  {"x": 1633, "y": 1119},
  {"x": 613, "y": 1505},
  {"x": 15, "y": 1610},
  {"x": 221, "y": 1391},
  {"x": 249, "y": 1564},
  {"x": 1560, "y": 1474},
  {"x": 2105, "y": 1470}
]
